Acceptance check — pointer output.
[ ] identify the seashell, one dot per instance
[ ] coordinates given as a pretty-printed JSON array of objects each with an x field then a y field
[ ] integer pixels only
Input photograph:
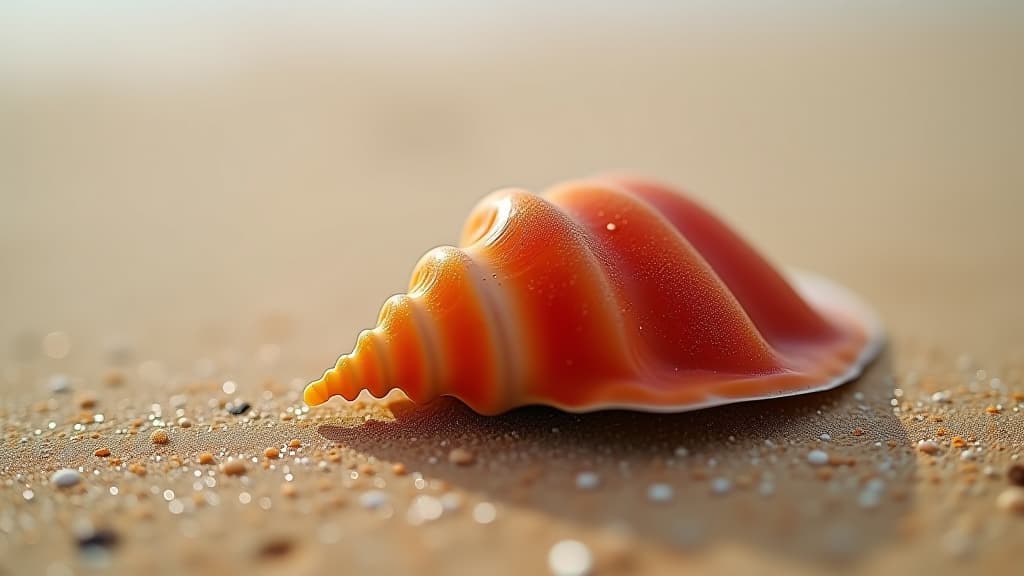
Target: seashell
[{"x": 604, "y": 293}]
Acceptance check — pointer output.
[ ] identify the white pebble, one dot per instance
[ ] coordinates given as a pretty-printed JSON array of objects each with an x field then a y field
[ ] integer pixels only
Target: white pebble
[
  {"x": 817, "y": 457},
  {"x": 1011, "y": 500},
  {"x": 928, "y": 446},
  {"x": 570, "y": 558},
  {"x": 721, "y": 485},
  {"x": 660, "y": 492},
  {"x": 587, "y": 480},
  {"x": 65, "y": 478},
  {"x": 484, "y": 513},
  {"x": 451, "y": 501},
  {"x": 826, "y": 437},
  {"x": 425, "y": 508},
  {"x": 60, "y": 383},
  {"x": 373, "y": 499}
]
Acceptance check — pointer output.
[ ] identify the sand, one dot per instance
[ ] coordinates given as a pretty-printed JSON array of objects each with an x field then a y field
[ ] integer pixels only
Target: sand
[{"x": 806, "y": 484}]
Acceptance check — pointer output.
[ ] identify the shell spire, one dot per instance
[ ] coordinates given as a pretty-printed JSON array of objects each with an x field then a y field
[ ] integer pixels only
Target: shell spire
[
  {"x": 436, "y": 332},
  {"x": 604, "y": 293}
]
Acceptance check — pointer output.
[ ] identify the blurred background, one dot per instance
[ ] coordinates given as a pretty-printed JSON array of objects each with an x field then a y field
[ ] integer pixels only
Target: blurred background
[{"x": 185, "y": 177}]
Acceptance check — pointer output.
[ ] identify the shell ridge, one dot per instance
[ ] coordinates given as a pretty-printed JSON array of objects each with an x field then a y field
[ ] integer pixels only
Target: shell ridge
[
  {"x": 404, "y": 341},
  {"x": 369, "y": 372},
  {"x": 719, "y": 284},
  {"x": 642, "y": 362},
  {"x": 628, "y": 295},
  {"x": 429, "y": 339},
  {"x": 567, "y": 251},
  {"x": 386, "y": 382},
  {"x": 499, "y": 327},
  {"x": 336, "y": 385},
  {"x": 721, "y": 246},
  {"x": 600, "y": 259}
]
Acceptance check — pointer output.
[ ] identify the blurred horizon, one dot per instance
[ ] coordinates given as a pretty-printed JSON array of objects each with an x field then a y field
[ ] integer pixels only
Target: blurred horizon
[{"x": 184, "y": 175}]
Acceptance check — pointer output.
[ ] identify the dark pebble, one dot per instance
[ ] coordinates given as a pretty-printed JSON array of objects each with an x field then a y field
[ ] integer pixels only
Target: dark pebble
[
  {"x": 1016, "y": 475},
  {"x": 101, "y": 538},
  {"x": 239, "y": 408},
  {"x": 276, "y": 548}
]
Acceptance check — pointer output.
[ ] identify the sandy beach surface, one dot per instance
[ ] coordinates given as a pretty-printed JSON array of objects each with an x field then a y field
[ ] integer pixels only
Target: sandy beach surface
[{"x": 201, "y": 207}]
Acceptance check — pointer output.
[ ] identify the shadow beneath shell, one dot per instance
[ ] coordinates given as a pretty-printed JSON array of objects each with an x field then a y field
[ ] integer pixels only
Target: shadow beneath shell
[{"x": 739, "y": 475}]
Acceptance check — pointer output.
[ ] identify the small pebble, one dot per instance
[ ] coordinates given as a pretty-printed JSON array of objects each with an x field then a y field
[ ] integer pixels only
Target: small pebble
[
  {"x": 184, "y": 422},
  {"x": 660, "y": 493},
  {"x": 721, "y": 485},
  {"x": 233, "y": 468},
  {"x": 1016, "y": 475},
  {"x": 288, "y": 490},
  {"x": 65, "y": 478},
  {"x": 1011, "y": 500},
  {"x": 587, "y": 480},
  {"x": 113, "y": 378},
  {"x": 425, "y": 508},
  {"x": 276, "y": 548},
  {"x": 373, "y": 499},
  {"x": 928, "y": 446},
  {"x": 102, "y": 452},
  {"x": 826, "y": 437},
  {"x": 484, "y": 513},
  {"x": 570, "y": 558},
  {"x": 398, "y": 469},
  {"x": 101, "y": 538},
  {"x": 238, "y": 408},
  {"x": 60, "y": 383},
  {"x": 205, "y": 458},
  {"x": 817, "y": 457},
  {"x": 451, "y": 501},
  {"x": 272, "y": 453},
  {"x": 159, "y": 436},
  {"x": 295, "y": 443},
  {"x": 461, "y": 457}
]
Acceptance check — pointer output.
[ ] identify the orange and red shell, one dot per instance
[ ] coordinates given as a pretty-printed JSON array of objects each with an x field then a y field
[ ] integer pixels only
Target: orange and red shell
[{"x": 604, "y": 293}]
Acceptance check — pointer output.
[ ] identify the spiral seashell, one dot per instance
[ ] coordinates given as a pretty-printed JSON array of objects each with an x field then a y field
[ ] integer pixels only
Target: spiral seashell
[{"x": 604, "y": 293}]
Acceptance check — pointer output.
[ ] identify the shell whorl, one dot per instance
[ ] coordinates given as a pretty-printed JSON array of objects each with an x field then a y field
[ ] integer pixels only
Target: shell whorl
[
  {"x": 462, "y": 321},
  {"x": 600, "y": 293}
]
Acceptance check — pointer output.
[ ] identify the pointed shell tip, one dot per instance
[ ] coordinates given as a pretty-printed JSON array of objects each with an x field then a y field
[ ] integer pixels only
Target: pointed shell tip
[{"x": 312, "y": 395}]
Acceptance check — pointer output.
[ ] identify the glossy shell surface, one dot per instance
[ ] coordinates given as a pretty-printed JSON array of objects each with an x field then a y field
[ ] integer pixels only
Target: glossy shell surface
[{"x": 605, "y": 293}]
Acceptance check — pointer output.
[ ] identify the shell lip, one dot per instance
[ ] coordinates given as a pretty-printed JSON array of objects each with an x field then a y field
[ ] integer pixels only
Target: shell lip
[{"x": 825, "y": 295}]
